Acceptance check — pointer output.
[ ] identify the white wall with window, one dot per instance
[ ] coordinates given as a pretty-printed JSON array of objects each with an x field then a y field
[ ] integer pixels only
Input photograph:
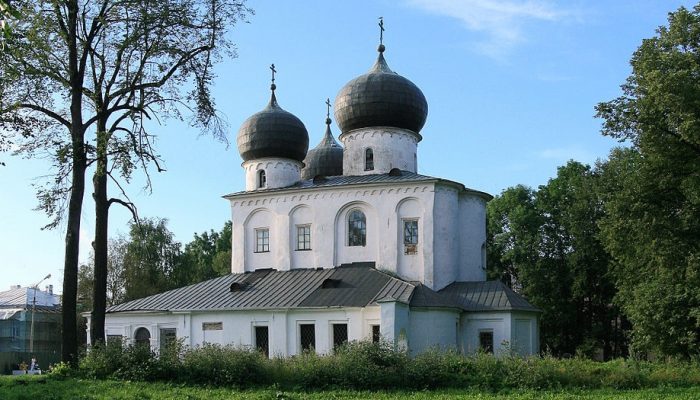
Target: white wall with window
[
  {"x": 301, "y": 237},
  {"x": 391, "y": 148},
  {"x": 260, "y": 238},
  {"x": 410, "y": 245},
  {"x": 329, "y": 220},
  {"x": 356, "y": 233},
  {"x": 270, "y": 173}
]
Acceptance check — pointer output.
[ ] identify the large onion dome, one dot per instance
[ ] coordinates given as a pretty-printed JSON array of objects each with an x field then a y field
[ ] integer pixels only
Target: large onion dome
[
  {"x": 273, "y": 132},
  {"x": 326, "y": 159},
  {"x": 381, "y": 97}
]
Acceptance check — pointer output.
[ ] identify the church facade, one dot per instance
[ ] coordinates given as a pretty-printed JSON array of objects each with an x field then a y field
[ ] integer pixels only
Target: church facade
[{"x": 343, "y": 243}]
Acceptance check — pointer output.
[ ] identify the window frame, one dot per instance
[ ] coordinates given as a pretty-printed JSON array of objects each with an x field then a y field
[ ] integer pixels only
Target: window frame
[
  {"x": 376, "y": 332},
  {"x": 410, "y": 242},
  {"x": 300, "y": 341},
  {"x": 256, "y": 344},
  {"x": 262, "y": 179},
  {"x": 488, "y": 348},
  {"x": 369, "y": 159},
  {"x": 337, "y": 343},
  {"x": 361, "y": 239},
  {"x": 262, "y": 243},
  {"x": 306, "y": 236}
]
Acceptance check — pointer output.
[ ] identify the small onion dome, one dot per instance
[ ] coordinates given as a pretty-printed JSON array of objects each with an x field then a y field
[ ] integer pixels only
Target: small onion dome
[
  {"x": 381, "y": 97},
  {"x": 326, "y": 159},
  {"x": 273, "y": 132}
]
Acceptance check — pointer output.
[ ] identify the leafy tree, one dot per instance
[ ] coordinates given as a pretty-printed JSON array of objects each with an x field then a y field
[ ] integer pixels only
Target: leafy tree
[
  {"x": 207, "y": 256},
  {"x": 512, "y": 234},
  {"x": 652, "y": 222},
  {"x": 79, "y": 81},
  {"x": 151, "y": 259},
  {"x": 544, "y": 244}
]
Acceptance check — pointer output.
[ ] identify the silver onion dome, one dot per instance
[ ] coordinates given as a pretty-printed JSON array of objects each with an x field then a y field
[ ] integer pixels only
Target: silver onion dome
[
  {"x": 273, "y": 132},
  {"x": 326, "y": 159},
  {"x": 381, "y": 97}
]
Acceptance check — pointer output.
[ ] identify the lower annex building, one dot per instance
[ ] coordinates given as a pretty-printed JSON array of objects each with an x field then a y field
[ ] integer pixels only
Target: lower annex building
[{"x": 348, "y": 243}]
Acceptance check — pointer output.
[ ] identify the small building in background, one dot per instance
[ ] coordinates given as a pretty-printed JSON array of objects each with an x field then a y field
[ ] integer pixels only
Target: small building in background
[{"x": 17, "y": 306}]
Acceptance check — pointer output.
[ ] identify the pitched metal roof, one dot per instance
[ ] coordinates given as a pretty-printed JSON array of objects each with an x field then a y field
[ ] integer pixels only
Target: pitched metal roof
[
  {"x": 352, "y": 285},
  {"x": 347, "y": 180},
  {"x": 486, "y": 296}
]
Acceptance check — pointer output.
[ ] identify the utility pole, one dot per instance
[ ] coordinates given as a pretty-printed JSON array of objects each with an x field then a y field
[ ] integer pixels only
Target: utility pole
[{"x": 31, "y": 329}]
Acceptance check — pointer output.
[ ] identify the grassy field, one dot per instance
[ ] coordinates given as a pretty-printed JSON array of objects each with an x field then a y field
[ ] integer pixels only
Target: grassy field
[{"x": 47, "y": 388}]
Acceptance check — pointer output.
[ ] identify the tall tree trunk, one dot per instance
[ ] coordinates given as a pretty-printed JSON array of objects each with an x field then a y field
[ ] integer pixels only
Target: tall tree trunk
[
  {"x": 75, "y": 204},
  {"x": 99, "y": 180}
]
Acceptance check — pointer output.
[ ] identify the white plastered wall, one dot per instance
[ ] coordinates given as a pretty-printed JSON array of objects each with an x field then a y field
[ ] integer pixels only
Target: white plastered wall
[
  {"x": 327, "y": 209},
  {"x": 392, "y": 148},
  {"x": 434, "y": 328},
  {"x": 238, "y": 327},
  {"x": 508, "y": 331},
  {"x": 279, "y": 172}
]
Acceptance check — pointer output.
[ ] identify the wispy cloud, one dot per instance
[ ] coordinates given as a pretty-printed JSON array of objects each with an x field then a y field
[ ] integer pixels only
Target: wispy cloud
[
  {"x": 564, "y": 154},
  {"x": 502, "y": 22}
]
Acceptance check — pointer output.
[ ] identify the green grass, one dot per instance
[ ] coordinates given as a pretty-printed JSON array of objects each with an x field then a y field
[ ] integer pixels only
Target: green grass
[{"x": 50, "y": 388}]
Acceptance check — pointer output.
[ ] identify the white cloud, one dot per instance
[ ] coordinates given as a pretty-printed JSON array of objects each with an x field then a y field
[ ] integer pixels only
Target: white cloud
[
  {"x": 500, "y": 21},
  {"x": 564, "y": 154}
]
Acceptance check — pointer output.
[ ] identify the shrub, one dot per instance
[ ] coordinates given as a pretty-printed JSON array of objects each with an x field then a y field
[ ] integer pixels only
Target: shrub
[
  {"x": 375, "y": 366},
  {"x": 218, "y": 365}
]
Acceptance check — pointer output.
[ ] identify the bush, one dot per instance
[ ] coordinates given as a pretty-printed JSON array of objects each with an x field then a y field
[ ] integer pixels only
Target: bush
[
  {"x": 375, "y": 366},
  {"x": 217, "y": 365}
]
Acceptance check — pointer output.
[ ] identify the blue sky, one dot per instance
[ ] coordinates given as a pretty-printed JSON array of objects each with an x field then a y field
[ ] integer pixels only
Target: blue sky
[{"x": 511, "y": 86}]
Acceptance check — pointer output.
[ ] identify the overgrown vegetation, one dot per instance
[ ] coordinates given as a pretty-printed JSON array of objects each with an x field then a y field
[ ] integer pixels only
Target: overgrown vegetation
[
  {"x": 369, "y": 366},
  {"x": 48, "y": 388}
]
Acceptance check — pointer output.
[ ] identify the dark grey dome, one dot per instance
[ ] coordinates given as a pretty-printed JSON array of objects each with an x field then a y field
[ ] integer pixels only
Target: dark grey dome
[
  {"x": 326, "y": 159},
  {"x": 273, "y": 132},
  {"x": 380, "y": 97}
]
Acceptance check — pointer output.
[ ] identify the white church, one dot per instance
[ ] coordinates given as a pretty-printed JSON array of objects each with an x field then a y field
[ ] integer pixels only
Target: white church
[{"x": 344, "y": 243}]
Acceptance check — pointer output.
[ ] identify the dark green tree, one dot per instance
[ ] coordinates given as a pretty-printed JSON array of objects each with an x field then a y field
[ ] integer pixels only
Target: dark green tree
[
  {"x": 512, "y": 235},
  {"x": 544, "y": 245},
  {"x": 652, "y": 222},
  {"x": 207, "y": 256},
  {"x": 151, "y": 260}
]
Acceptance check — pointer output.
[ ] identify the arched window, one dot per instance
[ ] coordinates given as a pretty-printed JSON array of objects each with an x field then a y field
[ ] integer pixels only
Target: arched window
[
  {"x": 142, "y": 337},
  {"x": 262, "y": 179},
  {"x": 369, "y": 160},
  {"x": 357, "y": 228}
]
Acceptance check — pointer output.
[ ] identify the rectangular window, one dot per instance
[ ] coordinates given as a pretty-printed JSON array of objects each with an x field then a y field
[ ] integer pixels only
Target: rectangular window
[
  {"x": 262, "y": 340},
  {"x": 303, "y": 237},
  {"x": 262, "y": 240},
  {"x": 307, "y": 336},
  {"x": 376, "y": 334},
  {"x": 410, "y": 236},
  {"x": 486, "y": 341},
  {"x": 340, "y": 334},
  {"x": 212, "y": 326},
  {"x": 168, "y": 337}
]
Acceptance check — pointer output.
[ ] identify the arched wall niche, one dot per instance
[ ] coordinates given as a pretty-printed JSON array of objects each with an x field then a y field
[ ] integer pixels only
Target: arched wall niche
[{"x": 344, "y": 253}]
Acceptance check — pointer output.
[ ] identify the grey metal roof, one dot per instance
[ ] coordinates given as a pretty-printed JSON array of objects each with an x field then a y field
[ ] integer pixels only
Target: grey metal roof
[
  {"x": 486, "y": 296},
  {"x": 352, "y": 285},
  {"x": 347, "y": 180},
  {"x": 355, "y": 286}
]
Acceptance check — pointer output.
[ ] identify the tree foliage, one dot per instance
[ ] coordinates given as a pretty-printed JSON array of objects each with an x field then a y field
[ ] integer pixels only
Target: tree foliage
[
  {"x": 652, "y": 222},
  {"x": 544, "y": 244},
  {"x": 151, "y": 261},
  {"x": 79, "y": 81}
]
